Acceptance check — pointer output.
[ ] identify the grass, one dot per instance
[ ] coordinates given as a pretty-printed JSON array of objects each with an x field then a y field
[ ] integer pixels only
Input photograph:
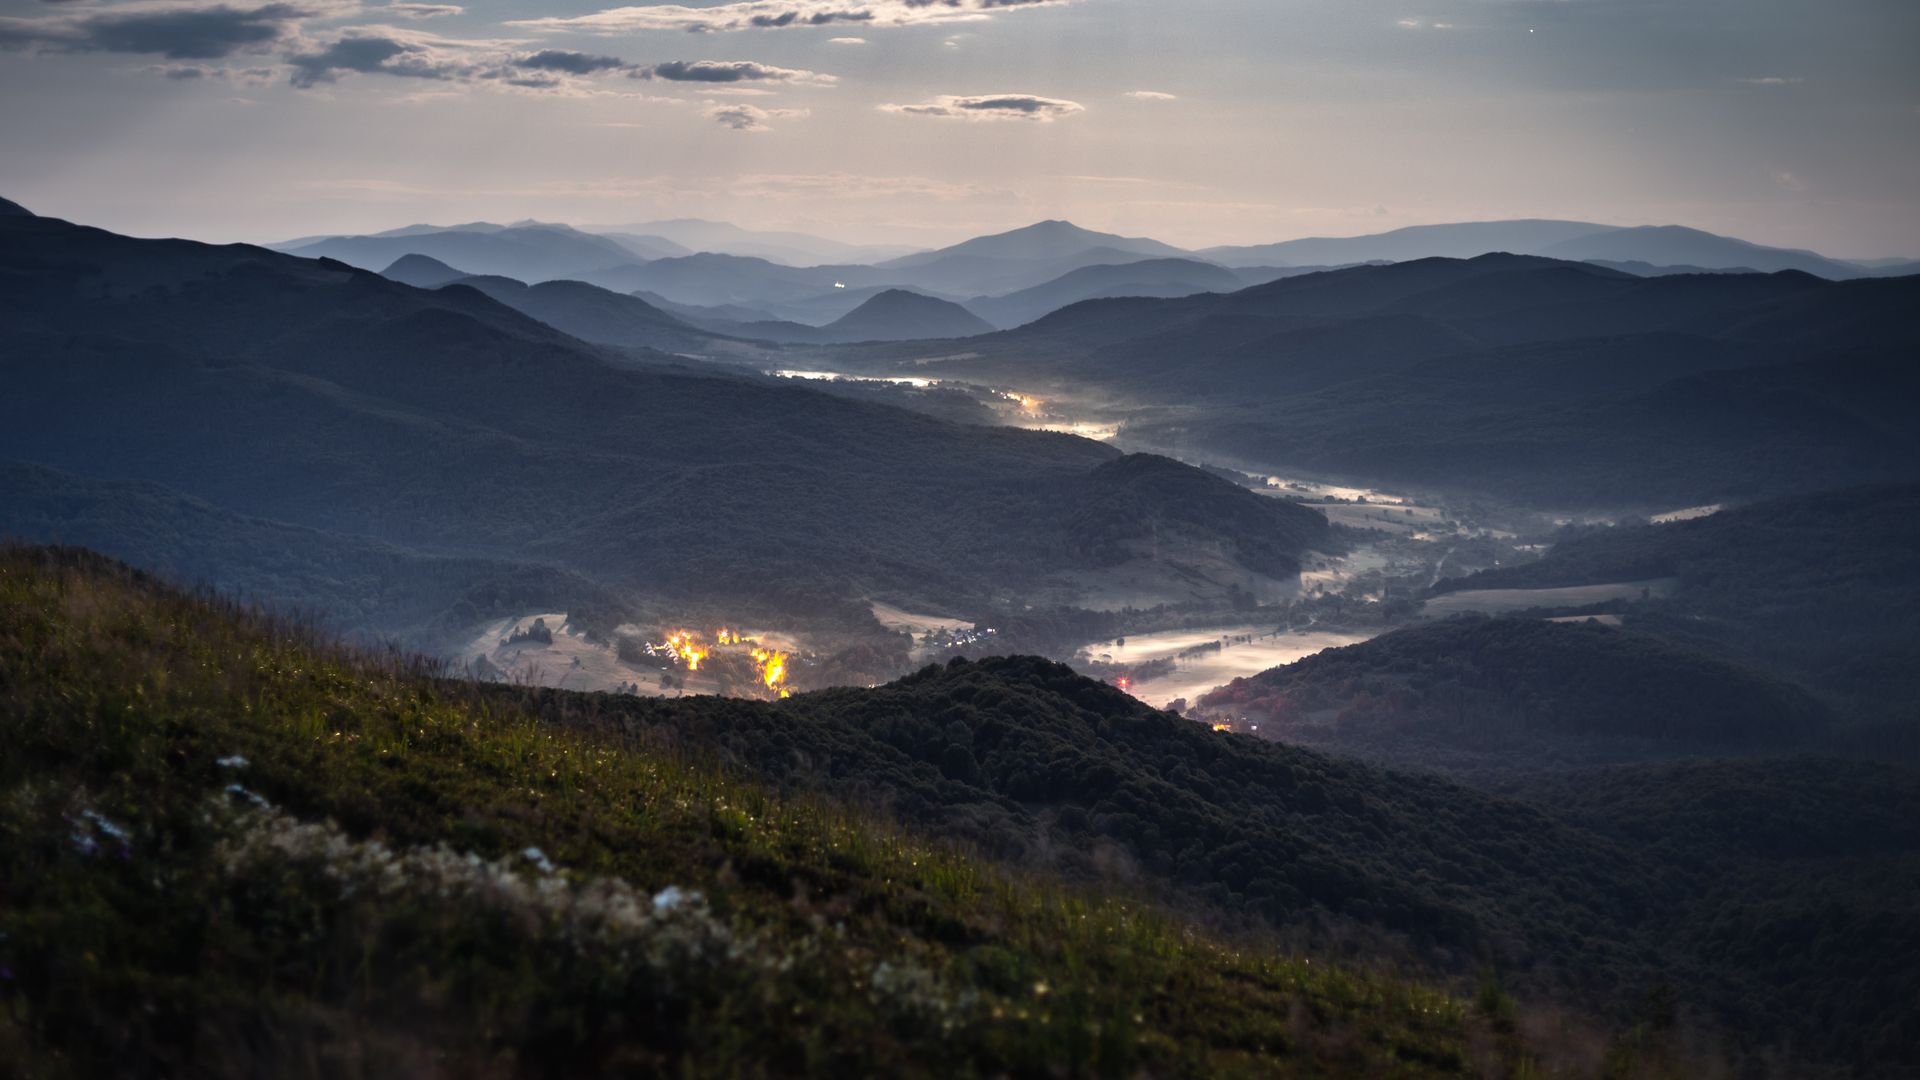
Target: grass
[{"x": 226, "y": 849}]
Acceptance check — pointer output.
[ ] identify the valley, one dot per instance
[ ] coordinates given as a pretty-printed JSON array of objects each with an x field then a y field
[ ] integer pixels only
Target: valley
[{"x": 1347, "y": 609}]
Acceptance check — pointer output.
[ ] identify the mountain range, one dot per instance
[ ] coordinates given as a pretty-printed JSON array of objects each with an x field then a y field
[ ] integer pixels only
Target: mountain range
[
  {"x": 244, "y": 388},
  {"x": 1546, "y": 381},
  {"x": 1014, "y": 277}
]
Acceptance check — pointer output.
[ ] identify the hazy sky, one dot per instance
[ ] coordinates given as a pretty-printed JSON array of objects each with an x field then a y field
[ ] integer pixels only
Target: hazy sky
[{"x": 1792, "y": 122}]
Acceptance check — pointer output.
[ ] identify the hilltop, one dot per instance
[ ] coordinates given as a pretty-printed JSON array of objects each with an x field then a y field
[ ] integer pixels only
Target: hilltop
[
  {"x": 1824, "y": 588},
  {"x": 899, "y": 315},
  {"x": 266, "y": 850},
  {"x": 1474, "y": 693}
]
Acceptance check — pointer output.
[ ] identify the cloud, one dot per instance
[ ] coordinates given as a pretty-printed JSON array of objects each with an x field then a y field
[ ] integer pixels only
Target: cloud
[
  {"x": 1788, "y": 182},
  {"x": 1151, "y": 95},
  {"x": 570, "y": 63},
  {"x": 778, "y": 14},
  {"x": 177, "y": 31},
  {"x": 847, "y": 41},
  {"x": 423, "y": 11},
  {"x": 991, "y": 107},
  {"x": 1421, "y": 24},
  {"x": 741, "y": 117},
  {"x": 196, "y": 72},
  {"x": 1772, "y": 80},
  {"x": 728, "y": 71},
  {"x": 409, "y": 54}
]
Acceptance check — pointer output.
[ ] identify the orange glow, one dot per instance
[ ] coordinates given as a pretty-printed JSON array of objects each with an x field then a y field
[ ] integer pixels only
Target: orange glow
[
  {"x": 773, "y": 668},
  {"x": 1223, "y": 727},
  {"x": 686, "y": 649}
]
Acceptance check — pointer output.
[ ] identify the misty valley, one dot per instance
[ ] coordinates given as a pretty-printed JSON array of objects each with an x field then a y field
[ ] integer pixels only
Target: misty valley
[{"x": 684, "y": 649}]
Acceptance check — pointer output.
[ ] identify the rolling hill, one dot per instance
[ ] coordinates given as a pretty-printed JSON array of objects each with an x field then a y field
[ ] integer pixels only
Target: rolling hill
[
  {"x": 527, "y": 252},
  {"x": 1825, "y": 588},
  {"x": 726, "y": 238},
  {"x": 446, "y": 883},
  {"x": 898, "y": 315},
  {"x": 591, "y": 313},
  {"x": 1044, "y": 241},
  {"x": 1148, "y": 277},
  {"x": 307, "y": 393},
  {"x": 1659, "y": 246},
  {"x": 1545, "y": 382},
  {"x": 1474, "y": 694},
  {"x": 422, "y": 272}
]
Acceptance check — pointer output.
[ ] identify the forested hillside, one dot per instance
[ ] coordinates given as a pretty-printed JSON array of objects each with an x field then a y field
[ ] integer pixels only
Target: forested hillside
[
  {"x": 1476, "y": 693},
  {"x": 1823, "y": 587},
  {"x": 1550, "y": 383},
  {"x": 228, "y": 847},
  {"x": 309, "y": 394},
  {"x": 1024, "y": 759}
]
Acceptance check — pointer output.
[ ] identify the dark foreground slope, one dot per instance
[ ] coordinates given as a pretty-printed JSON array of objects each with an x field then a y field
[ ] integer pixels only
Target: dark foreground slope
[
  {"x": 1027, "y": 760},
  {"x": 311, "y": 394},
  {"x": 1476, "y": 693},
  {"x": 228, "y": 852},
  {"x": 1825, "y": 588}
]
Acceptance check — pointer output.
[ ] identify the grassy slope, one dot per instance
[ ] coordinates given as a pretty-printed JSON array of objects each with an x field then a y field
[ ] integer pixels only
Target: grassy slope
[{"x": 163, "y": 905}]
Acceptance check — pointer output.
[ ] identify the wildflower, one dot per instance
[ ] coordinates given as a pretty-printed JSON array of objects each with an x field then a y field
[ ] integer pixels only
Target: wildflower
[
  {"x": 672, "y": 898},
  {"x": 241, "y": 792}
]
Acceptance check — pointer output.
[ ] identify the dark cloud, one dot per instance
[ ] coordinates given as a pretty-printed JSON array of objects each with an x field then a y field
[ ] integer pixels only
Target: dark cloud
[
  {"x": 747, "y": 117},
  {"x": 726, "y": 71},
  {"x": 570, "y": 63},
  {"x": 422, "y": 11},
  {"x": 991, "y": 107},
  {"x": 739, "y": 117},
  {"x": 368, "y": 54},
  {"x": 774, "y": 15},
  {"x": 201, "y": 33}
]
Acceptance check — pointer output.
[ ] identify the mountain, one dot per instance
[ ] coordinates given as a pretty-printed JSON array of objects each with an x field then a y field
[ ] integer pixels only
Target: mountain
[
  {"x": 898, "y": 315},
  {"x": 1546, "y": 382},
  {"x": 1477, "y": 694},
  {"x": 1041, "y": 242},
  {"x": 724, "y": 238},
  {"x": 1455, "y": 241},
  {"x": 8, "y": 208},
  {"x": 698, "y": 315},
  {"x": 708, "y": 280},
  {"x": 443, "y": 423},
  {"x": 326, "y": 849},
  {"x": 422, "y": 272},
  {"x": 348, "y": 583},
  {"x": 1148, "y": 277},
  {"x": 1824, "y": 587},
  {"x": 1022, "y": 759},
  {"x": 1669, "y": 245},
  {"x": 591, "y": 313},
  {"x": 526, "y": 253},
  {"x": 1661, "y": 246}
]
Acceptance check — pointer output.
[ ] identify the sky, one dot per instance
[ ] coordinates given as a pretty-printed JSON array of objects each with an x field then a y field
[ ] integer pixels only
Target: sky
[{"x": 1198, "y": 122}]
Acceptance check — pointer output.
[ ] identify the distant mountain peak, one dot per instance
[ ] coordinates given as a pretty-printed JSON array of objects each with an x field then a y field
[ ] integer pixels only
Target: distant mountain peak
[
  {"x": 422, "y": 271},
  {"x": 9, "y": 208},
  {"x": 900, "y": 315}
]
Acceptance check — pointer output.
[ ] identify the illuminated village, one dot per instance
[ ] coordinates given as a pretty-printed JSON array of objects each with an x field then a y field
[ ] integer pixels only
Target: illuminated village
[{"x": 739, "y": 666}]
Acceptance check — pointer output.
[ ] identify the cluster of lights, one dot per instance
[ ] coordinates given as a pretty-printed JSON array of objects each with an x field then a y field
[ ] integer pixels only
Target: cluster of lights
[{"x": 686, "y": 647}]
